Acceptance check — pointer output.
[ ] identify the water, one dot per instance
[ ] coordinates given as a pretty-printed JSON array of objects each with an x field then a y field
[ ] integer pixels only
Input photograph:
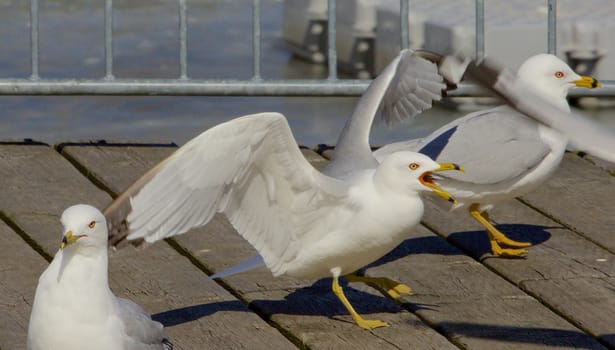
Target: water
[{"x": 146, "y": 46}]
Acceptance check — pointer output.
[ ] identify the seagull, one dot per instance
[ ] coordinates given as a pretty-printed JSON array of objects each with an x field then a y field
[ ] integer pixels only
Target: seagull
[
  {"x": 297, "y": 218},
  {"x": 302, "y": 222},
  {"x": 507, "y": 153},
  {"x": 74, "y": 308}
]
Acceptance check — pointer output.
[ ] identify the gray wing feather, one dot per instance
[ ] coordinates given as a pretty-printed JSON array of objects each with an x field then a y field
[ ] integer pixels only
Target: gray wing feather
[
  {"x": 143, "y": 332},
  {"x": 493, "y": 146},
  {"x": 405, "y": 88},
  {"x": 494, "y": 154}
]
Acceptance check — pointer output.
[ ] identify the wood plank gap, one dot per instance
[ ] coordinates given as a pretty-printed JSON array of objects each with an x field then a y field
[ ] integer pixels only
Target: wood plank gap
[
  {"x": 408, "y": 307},
  {"x": 520, "y": 286},
  {"x": 179, "y": 249},
  {"x": 565, "y": 225},
  {"x": 263, "y": 315},
  {"x": 565, "y": 317},
  {"x": 597, "y": 162},
  {"x": 83, "y": 170},
  {"x": 29, "y": 240}
]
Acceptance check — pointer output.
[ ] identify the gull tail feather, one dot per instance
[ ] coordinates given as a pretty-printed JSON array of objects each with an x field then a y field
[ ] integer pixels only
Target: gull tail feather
[{"x": 251, "y": 263}]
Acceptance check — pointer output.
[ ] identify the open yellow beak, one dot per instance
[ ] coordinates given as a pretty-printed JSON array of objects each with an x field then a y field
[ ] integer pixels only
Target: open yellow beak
[
  {"x": 587, "y": 82},
  {"x": 69, "y": 238},
  {"x": 428, "y": 182}
]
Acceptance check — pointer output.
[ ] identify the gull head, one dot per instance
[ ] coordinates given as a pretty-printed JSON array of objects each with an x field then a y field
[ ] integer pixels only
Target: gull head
[
  {"x": 83, "y": 225},
  {"x": 552, "y": 78},
  {"x": 414, "y": 173}
]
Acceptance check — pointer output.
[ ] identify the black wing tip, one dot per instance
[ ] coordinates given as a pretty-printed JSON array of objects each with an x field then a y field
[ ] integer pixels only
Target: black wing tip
[{"x": 167, "y": 344}]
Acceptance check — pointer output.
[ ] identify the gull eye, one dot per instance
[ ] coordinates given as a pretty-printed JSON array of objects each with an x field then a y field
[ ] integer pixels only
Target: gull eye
[
  {"x": 559, "y": 74},
  {"x": 92, "y": 224},
  {"x": 413, "y": 166}
]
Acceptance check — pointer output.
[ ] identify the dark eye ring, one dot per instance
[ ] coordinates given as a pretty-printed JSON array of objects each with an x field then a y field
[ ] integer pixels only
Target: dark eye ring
[
  {"x": 92, "y": 224},
  {"x": 413, "y": 166}
]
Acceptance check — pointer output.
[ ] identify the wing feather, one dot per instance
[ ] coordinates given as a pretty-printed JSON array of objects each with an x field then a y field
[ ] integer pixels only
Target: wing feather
[
  {"x": 251, "y": 170},
  {"x": 405, "y": 88},
  {"x": 142, "y": 332},
  {"x": 493, "y": 146}
]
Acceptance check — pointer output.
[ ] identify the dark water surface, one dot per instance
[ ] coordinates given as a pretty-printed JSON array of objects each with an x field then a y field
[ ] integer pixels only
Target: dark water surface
[{"x": 146, "y": 46}]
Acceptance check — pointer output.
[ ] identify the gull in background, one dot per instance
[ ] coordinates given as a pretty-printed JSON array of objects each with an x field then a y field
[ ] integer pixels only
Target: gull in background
[
  {"x": 302, "y": 222},
  {"x": 507, "y": 152}
]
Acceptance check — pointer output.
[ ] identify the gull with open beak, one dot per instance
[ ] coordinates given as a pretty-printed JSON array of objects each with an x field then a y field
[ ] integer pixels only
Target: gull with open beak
[{"x": 303, "y": 223}]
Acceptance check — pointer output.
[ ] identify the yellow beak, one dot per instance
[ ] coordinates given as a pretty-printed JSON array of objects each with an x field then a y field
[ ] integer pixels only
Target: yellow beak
[
  {"x": 427, "y": 181},
  {"x": 69, "y": 238},
  {"x": 587, "y": 82},
  {"x": 450, "y": 166}
]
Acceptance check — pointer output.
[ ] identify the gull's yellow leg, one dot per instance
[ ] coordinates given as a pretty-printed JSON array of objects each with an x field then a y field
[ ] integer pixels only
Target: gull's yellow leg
[
  {"x": 495, "y": 236},
  {"x": 360, "y": 321},
  {"x": 499, "y": 236},
  {"x": 393, "y": 288}
]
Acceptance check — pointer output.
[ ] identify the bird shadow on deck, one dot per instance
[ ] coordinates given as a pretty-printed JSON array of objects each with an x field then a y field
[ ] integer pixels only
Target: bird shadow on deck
[
  {"x": 548, "y": 337},
  {"x": 473, "y": 242},
  {"x": 192, "y": 313},
  {"x": 477, "y": 245},
  {"x": 319, "y": 299},
  {"x": 314, "y": 300},
  {"x": 414, "y": 246}
]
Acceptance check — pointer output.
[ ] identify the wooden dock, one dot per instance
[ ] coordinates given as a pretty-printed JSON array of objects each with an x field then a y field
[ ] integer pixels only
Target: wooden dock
[{"x": 561, "y": 297}]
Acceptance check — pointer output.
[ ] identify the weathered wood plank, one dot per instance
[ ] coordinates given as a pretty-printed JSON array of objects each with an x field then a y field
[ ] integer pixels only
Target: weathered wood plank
[
  {"x": 472, "y": 305},
  {"x": 581, "y": 196},
  {"x": 558, "y": 254},
  {"x": 305, "y": 309},
  {"x": 600, "y": 163},
  {"x": 20, "y": 267},
  {"x": 37, "y": 184}
]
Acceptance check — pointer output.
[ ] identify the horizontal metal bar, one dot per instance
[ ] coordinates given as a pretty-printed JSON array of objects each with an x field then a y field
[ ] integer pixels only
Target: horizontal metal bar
[
  {"x": 173, "y": 87},
  {"x": 475, "y": 90},
  {"x": 195, "y": 87}
]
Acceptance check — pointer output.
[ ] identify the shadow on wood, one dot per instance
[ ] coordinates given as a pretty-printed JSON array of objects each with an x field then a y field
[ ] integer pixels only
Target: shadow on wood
[
  {"x": 477, "y": 243},
  {"x": 191, "y": 313},
  {"x": 318, "y": 299},
  {"x": 414, "y": 246},
  {"x": 550, "y": 337}
]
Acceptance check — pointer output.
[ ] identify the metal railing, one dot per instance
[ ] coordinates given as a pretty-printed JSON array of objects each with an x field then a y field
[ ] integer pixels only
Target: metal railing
[{"x": 255, "y": 86}]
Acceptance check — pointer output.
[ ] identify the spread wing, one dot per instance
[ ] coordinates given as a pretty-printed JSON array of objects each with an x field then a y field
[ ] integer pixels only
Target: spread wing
[
  {"x": 250, "y": 169},
  {"x": 405, "y": 88},
  {"x": 493, "y": 146}
]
